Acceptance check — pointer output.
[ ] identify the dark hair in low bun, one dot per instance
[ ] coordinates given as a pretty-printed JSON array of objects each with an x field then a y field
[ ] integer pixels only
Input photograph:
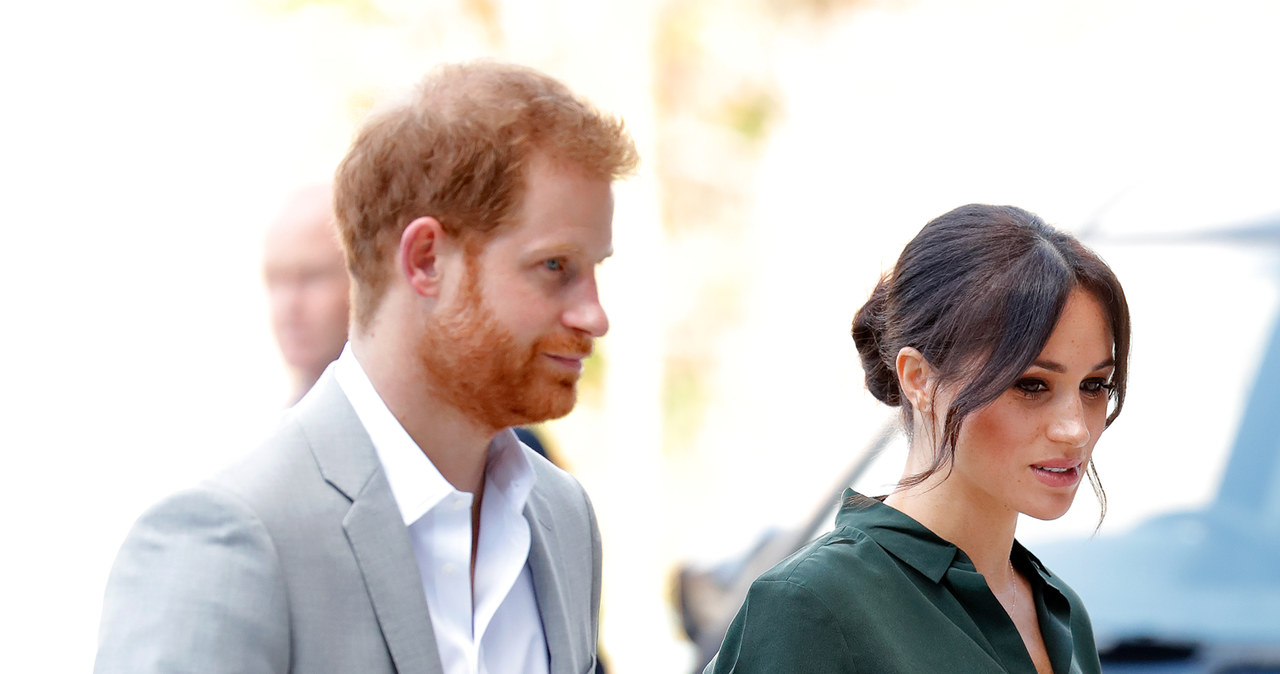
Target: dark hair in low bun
[
  {"x": 978, "y": 292},
  {"x": 868, "y": 336}
]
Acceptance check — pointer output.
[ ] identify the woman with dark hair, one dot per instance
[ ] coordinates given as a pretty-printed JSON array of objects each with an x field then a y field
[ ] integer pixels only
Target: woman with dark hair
[{"x": 1005, "y": 342}]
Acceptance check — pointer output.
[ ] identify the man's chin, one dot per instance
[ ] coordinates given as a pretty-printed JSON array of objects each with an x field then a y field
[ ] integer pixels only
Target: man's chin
[{"x": 552, "y": 404}]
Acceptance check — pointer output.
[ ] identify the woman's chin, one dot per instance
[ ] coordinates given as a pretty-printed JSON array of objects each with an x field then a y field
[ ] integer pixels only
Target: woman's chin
[
  {"x": 1050, "y": 511},
  {"x": 1045, "y": 517}
]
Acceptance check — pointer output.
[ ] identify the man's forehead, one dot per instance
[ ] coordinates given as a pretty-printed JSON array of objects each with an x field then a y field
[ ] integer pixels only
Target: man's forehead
[{"x": 550, "y": 237}]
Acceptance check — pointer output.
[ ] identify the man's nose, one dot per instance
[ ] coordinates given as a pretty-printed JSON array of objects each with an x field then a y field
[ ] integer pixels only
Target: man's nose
[{"x": 586, "y": 313}]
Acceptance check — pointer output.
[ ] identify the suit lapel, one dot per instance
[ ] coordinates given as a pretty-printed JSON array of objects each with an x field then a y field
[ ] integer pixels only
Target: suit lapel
[
  {"x": 374, "y": 528},
  {"x": 381, "y": 546},
  {"x": 547, "y": 584}
]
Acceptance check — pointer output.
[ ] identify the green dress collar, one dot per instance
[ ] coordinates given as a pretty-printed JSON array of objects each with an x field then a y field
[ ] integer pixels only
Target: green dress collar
[{"x": 946, "y": 565}]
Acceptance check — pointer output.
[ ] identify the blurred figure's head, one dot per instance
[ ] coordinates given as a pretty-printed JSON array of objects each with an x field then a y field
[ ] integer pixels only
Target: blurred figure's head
[
  {"x": 459, "y": 149},
  {"x": 307, "y": 285},
  {"x": 978, "y": 294}
]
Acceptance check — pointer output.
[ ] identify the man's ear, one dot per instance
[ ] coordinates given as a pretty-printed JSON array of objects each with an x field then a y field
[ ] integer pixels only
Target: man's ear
[
  {"x": 915, "y": 378},
  {"x": 418, "y": 257}
]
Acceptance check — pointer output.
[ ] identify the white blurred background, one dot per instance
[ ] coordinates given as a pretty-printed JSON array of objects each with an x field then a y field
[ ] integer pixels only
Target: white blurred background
[{"x": 791, "y": 148}]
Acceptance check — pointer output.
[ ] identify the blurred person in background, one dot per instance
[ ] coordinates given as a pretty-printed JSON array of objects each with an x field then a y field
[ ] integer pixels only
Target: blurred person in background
[
  {"x": 1005, "y": 342},
  {"x": 307, "y": 286},
  {"x": 394, "y": 523}
]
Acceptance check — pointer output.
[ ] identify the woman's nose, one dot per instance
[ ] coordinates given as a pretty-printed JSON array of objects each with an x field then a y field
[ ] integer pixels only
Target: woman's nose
[{"x": 1068, "y": 425}]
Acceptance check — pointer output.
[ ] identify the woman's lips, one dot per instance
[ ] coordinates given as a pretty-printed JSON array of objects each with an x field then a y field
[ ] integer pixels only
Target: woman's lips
[{"x": 1057, "y": 473}]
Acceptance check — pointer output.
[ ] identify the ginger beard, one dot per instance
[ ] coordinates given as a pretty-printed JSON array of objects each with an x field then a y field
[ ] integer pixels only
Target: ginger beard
[{"x": 478, "y": 367}]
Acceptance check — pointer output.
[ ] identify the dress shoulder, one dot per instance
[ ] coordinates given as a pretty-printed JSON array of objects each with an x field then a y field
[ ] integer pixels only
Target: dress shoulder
[
  {"x": 841, "y": 561},
  {"x": 815, "y": 610}
]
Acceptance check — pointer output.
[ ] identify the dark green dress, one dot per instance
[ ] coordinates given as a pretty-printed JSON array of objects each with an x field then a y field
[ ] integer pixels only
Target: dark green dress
[{"x": 881, "y": 593}]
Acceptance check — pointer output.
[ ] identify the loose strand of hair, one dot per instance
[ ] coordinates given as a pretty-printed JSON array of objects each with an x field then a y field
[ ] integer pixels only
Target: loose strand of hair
[{"x": 1095, "y": 481}]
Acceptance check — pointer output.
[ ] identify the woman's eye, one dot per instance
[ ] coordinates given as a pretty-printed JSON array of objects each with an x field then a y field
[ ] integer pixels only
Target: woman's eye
[
  {"x": 554, "y": 264},
  {"x": 1096, "y": 386},
  {"x": 1031, "y": 386}
]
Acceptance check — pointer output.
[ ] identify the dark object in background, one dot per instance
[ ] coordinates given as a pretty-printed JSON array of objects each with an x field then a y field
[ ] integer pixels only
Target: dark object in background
[{"x": 529, "y": 437}]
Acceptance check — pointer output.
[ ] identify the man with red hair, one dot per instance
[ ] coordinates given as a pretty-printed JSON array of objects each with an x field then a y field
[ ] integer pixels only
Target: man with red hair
[{"x": 394, "y": 523}]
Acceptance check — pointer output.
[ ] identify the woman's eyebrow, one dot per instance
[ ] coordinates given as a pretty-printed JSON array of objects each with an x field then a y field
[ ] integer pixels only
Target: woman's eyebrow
[{"x": 1056, "y": 367}]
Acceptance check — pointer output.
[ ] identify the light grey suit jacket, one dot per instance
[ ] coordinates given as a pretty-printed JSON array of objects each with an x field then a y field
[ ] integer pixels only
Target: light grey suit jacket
[{"x": 297, "y": 560}]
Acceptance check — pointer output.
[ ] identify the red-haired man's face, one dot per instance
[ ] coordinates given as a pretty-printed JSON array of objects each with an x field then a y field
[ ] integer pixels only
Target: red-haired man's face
[{"x": 510, "y": 341}]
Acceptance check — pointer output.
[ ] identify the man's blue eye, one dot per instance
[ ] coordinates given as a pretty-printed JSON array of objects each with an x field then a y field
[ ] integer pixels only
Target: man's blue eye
[{"x": 553, "y": 265}]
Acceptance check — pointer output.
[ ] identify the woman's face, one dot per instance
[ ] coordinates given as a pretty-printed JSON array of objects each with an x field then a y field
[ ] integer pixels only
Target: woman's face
[{"x": 1028, "y": 450}]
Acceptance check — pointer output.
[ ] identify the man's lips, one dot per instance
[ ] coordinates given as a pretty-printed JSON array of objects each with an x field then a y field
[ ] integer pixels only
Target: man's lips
[{"x": 570, "y": 361}]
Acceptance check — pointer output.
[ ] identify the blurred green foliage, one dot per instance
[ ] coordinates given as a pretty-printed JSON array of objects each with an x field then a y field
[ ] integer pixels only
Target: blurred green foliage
[{"x": 751, "y": 113}]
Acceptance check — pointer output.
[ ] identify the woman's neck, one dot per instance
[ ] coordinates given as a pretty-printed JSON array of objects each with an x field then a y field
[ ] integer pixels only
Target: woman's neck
[{"x": 984, "y": 530}]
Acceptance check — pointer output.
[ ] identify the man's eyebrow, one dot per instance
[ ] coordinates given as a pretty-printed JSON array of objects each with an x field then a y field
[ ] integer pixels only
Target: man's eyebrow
[
  {"x": 554, "y": 250},
  {"x": 1059, "y": 368}
]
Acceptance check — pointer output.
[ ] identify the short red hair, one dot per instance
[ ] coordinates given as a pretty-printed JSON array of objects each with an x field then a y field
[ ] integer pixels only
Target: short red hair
[{"x": 456, "y": 150}]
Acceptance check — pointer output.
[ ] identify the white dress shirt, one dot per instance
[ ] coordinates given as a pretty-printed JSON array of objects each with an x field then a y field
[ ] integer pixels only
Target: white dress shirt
[{"x": 502, "y": 631}]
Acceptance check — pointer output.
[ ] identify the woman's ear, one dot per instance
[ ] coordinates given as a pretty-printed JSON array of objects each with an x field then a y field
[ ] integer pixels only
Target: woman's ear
[
  {"x": 418, "y": 256},
  {"x": 915, "y": 378}
]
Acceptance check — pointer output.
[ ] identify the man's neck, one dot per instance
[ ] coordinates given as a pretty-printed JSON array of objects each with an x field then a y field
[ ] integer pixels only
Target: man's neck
[{"x": 456, "y": 445}]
